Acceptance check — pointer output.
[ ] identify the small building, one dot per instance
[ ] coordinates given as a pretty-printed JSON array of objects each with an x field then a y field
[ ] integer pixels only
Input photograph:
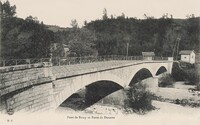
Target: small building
[
  {"x": 187, "y": 56},
  {"x": 66, "y": 50},
  {"x": 148, "y": 55}
]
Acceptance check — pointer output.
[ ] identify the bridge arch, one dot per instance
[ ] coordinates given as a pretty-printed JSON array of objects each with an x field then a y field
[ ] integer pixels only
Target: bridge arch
[
  {"x": 161, "y": 70},
  {"x": 75, "y": 84},
  {"x": 100, "y": 89},
  {"x": 91, "y": 94},
  {"x": 140, "y": 75}
]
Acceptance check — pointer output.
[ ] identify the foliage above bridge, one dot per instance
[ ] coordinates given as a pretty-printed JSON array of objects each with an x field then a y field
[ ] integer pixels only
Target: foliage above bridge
[{"x": 30, "y": 38}]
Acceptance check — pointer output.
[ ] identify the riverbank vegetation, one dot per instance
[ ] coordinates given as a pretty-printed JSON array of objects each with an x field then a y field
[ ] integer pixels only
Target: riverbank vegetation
[
  {"x": 189, "y": 73},
  {"x": 138, "y": 100},
  {"x": 166, "y": 81}
]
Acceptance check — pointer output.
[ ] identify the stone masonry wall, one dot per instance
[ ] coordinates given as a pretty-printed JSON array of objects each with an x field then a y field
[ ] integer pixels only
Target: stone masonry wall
[{"x": 28, "y": 89}]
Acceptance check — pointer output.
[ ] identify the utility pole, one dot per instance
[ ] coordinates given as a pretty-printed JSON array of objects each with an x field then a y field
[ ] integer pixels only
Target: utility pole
[
  {"x": 1, "y": 17},
  {"x": 127, "y": 40},
  {"x": 0, "y": 31},
  {"x": 174, "y": 49},
  {"x": 177, "y": 50},
  {"x": 127, "y": 45}
]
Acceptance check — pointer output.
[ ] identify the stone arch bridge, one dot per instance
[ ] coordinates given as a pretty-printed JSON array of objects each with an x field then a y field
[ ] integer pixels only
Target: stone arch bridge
[{"x": 44, "y": 89}]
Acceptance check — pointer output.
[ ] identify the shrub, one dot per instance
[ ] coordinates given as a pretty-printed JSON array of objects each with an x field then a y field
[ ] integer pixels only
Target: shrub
[
  {"x": 177, "y": 72},
  {"x": 166, "y": 81},
  {"x": 189, "y": 73},
  {"x": 198, "y": 86},
  {"x": 191, "y": 76},
  {"x": 139, "y": 100},
  {"x": 186, "y": 65}
]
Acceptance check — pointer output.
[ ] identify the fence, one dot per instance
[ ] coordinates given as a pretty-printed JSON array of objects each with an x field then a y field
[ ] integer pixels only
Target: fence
[
  {"x": 70, "y": 60},
  {"x": 90, "y": 59},
  {"x": 160, "y": 58},
  {"x": 13, "y": 62}
]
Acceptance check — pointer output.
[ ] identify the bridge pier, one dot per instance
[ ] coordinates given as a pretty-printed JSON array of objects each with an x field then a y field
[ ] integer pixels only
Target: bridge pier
[
  {"x": 37, "y": 98},
  {"x": 26, "y": 90},
  {"x": 151, "y": 83}
]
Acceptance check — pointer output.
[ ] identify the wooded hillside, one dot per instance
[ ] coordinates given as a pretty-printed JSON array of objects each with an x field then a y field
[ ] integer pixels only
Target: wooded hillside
[
  {"x": 158, "y": 35},
  {"x": 30, "y": 38}
]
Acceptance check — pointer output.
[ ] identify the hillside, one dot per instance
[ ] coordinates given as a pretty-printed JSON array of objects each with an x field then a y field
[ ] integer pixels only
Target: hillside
[
  {"x": 30, "y": 38},
  {"x": 158, "y": 35},
  {"x": 25, "y": 38}
]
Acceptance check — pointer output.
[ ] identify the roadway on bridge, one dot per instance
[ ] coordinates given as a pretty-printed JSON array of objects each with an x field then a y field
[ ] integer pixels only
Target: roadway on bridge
[{"x": 79, "y": 69}]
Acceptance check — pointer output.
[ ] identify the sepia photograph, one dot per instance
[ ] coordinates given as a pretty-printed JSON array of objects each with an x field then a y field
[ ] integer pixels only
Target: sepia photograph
[{"x": 102, "y": 62}]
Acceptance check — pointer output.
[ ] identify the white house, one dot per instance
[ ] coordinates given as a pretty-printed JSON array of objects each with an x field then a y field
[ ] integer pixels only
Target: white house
[
  {"x": 187, "y": 56},
  {"x": 148, "y": 55}
]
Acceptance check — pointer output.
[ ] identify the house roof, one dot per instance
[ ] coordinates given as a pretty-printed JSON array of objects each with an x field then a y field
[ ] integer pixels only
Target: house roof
[
  {"x": 186, "y": 52},
  {"x": 148, "y": 53}
]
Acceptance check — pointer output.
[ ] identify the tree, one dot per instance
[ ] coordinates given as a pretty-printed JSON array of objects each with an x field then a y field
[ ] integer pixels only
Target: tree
[
  {"x": 190, "y": 16},
  {"x": 25, "y": 38},
  {"x": 165, "y": 16},
  {"x": 74, "y": 23},
  {"x": 148, "y": 17},
  {"x": 41, "y": 42},
  {"x": 8, "y": 9},
  {"x": 105, "y": 16},
  {"x": 82, "y": 42},
  {"x": 1, "y": 6},
  {"x": 32, "y": 19},
  {"x": 122, "y": 16},
  {"x": 85, "y": 22}
]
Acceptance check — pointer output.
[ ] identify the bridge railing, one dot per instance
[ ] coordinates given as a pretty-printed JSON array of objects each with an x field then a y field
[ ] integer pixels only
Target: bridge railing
[
  {"x": 70, "y": 60},
  {"x": 14, "y": 62},
  {"x": 90, "y": 59},
  {"x": 160, "y": 58}
]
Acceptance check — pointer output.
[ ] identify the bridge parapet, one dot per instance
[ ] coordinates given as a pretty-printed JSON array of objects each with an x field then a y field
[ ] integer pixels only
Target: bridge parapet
[
  {"x": 13, "y": 81},
  {"x": 41, "y": 62}
]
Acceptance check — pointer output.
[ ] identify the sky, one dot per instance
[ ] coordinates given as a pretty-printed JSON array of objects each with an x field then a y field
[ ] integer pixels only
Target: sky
[{"x": 61, "y": 12}]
